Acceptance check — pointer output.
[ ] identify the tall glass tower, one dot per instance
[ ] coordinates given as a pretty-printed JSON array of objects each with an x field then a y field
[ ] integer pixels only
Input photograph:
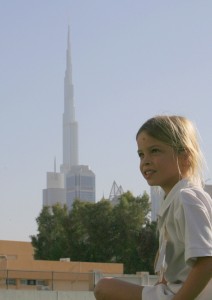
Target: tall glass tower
[
  {"x": 70, "y": 126},
  {"x": 74, "y": 181}
]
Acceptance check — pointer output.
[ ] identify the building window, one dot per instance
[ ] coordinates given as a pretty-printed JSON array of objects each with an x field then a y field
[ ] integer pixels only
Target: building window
[
  {"x": 32, "y": 282},
  {"x": 41, "y": 282},
  {"x": 10, "y": 281}
]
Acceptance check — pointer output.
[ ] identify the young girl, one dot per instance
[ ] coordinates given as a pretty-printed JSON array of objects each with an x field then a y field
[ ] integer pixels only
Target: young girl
[{"x": 170, "y": 158}]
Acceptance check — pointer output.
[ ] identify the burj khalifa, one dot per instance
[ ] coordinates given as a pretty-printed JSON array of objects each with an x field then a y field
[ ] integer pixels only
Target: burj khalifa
[
  {"x": 70, "y": 126},
  {"x": 74, "y": 181}
]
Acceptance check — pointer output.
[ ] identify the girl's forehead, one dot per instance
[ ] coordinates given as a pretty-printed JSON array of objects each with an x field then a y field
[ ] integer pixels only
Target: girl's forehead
[
  {"x": 144, "y": 136},
  {"x": 145, "y": 139}
]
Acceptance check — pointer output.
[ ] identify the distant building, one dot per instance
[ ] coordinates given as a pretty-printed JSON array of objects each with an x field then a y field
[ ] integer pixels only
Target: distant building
[
  {"x": 20, "y": 271},
  {"x": 74, "y": 181},
  {"x": 156, "y": 195},
  {"x": 115, "y": 193},
  {"x": 80, "y": 184},
  {"x": 55, "y": 191}
]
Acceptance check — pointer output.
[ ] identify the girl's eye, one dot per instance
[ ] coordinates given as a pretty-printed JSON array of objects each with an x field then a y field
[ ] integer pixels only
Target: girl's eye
[
  {"x": 155, "y": 150},
  {"x": 140, "y": 154}
]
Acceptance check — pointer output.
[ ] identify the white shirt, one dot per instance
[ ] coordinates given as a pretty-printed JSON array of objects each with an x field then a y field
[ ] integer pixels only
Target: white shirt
[{"x": 185, "y": 221}]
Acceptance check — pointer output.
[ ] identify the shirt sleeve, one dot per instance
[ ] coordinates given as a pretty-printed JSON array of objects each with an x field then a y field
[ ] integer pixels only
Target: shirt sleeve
[{"x": 198, "y": 225}]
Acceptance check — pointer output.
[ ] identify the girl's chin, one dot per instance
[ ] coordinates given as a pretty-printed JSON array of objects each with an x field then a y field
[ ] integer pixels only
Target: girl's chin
[{"x": 152, "y": 183}]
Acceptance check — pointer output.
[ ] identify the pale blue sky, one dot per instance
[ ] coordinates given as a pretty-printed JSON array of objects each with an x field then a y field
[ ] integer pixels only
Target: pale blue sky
[{"x": 131, "y": 59}]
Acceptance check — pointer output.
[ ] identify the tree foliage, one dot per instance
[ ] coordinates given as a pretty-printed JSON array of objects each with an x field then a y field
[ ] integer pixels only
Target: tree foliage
[
  {"x": 51, "y": 241},
  {"x": 148, "y": 244},
  {"x": 99, "y": 232}
]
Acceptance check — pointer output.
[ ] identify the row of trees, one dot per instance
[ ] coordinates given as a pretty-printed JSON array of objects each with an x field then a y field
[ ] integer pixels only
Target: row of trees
[{"x": 99, "y": 232}]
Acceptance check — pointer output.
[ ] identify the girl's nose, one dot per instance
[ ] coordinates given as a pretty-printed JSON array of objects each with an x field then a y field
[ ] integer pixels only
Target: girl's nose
[{"x": 146, "y": 161}]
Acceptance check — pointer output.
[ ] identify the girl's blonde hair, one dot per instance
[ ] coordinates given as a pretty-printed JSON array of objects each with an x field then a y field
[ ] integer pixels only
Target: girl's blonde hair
[{"x": 181, "y": 134}]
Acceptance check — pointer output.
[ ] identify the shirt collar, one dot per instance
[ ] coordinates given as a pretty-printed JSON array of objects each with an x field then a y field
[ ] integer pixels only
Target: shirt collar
[{"x": 183, "y": 183}]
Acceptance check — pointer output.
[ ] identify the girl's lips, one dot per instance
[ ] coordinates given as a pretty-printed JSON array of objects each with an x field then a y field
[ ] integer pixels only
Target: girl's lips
[{"x": 148, "y": 173}]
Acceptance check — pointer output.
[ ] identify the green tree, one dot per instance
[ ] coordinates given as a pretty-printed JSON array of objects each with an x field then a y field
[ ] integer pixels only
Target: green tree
[
  {"x": 129, "y": 215},
  {"x": 98, "y": 222},
  {"x": 99, "y": 232},
  {"x": 51, "y": 241},
  {"x": 148, "y": 246},
  {"x": 89, "y": 231}
]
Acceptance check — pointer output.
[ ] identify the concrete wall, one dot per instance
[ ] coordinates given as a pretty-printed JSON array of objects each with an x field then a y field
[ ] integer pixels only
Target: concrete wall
[
  {"x": 13, "y": 250},
  {"x": 45, "y": 295},
  {"x": 53, "y": 295}
]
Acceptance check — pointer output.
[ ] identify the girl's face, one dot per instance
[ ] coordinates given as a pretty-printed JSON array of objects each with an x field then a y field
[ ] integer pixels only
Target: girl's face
[{"x": 159, "y": 164}]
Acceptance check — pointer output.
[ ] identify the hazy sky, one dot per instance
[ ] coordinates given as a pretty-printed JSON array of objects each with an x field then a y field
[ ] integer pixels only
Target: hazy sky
[{"x": 131, "y": 59}]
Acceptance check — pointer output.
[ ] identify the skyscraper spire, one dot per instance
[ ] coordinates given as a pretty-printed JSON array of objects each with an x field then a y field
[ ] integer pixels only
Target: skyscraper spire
[
  {"x": 74, "y": 181},
  {"x": 68, "y": 73},
  {"x": 70, "y": 126}
]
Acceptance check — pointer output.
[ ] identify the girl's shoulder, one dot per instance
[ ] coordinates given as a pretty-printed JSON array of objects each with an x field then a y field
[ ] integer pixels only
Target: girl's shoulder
[{"x": 194, "y": 195}]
